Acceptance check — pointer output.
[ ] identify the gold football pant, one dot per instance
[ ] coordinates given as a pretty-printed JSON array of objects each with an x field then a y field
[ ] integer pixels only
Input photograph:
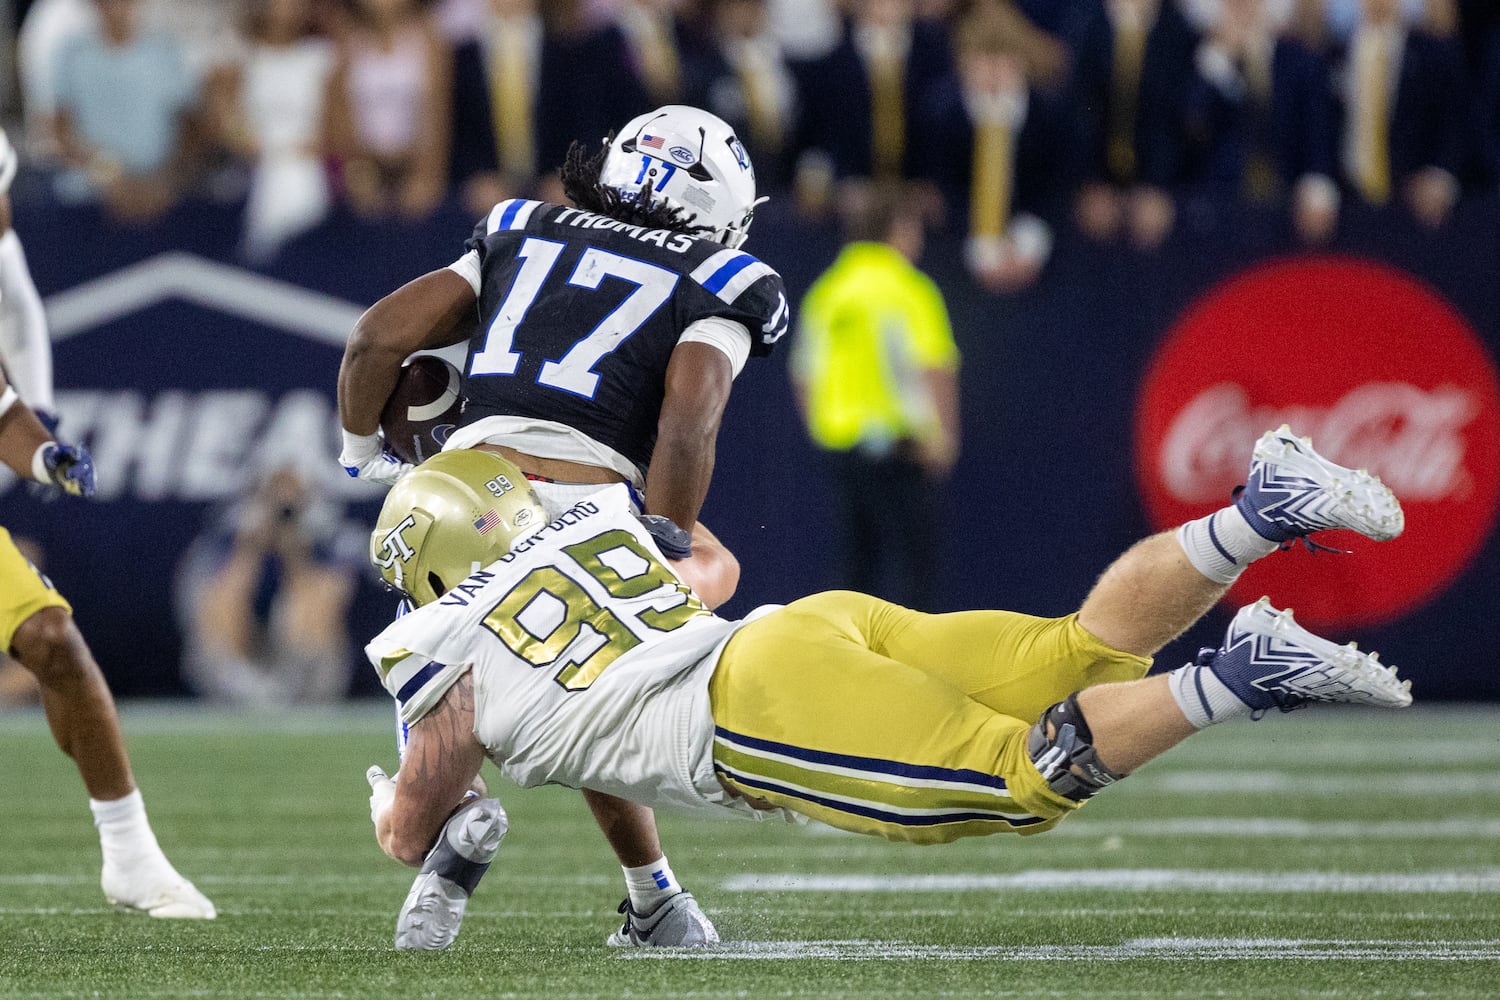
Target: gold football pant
[
  {"x": 23, "y": 591},
  {"x": 874, "y": 718}
]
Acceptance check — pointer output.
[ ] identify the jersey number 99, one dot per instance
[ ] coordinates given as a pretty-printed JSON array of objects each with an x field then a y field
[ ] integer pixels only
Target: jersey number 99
[{"x": 549, "y": 620}]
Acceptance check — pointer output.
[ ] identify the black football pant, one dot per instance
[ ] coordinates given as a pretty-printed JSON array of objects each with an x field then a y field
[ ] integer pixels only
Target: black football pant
[{"x": 891, "y": 511}]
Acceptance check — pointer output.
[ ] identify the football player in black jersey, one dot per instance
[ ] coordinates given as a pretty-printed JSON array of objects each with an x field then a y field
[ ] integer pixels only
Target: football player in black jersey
[{"x": 603, "y": 340}]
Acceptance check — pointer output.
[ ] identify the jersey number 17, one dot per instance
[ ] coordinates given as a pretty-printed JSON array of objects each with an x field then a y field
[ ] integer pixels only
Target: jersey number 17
[{"x": 574, "y": 371}]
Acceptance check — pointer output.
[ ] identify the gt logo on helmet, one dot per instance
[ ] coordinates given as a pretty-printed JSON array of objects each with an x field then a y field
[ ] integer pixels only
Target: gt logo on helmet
[{"x": 393, "y": 546}]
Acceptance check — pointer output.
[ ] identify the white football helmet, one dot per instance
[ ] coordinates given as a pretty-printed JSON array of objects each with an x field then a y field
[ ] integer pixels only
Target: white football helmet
[{"x": 694, "y": 162}]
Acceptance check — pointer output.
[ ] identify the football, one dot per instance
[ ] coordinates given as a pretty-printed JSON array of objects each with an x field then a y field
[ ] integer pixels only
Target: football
[{"x": 423, "y": 408}]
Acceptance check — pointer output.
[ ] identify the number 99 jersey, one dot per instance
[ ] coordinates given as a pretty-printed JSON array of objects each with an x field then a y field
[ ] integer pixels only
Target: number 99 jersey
[
  {"x": 579, "y": 315},
  {"x": 590, "y": 657}
]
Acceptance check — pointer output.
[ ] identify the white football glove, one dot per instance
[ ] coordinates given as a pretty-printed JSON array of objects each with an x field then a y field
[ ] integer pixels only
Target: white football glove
[
  {"x": 365, "y": 457},
  {"x": 382, "y": 793}
]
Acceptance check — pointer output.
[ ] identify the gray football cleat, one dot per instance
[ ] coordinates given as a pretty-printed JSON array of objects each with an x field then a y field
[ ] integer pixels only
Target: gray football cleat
[
  {"x": 1269, "y": 661},
  {"x": 1292, "y": 491},
  {"x": 433, "y": 913},
  {"x": 676, "y": 923}
]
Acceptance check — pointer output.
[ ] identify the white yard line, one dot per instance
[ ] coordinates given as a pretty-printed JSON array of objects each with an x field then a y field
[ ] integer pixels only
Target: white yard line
[
  {"x": 1177, "y": 949},
  {"x": 1416, "y": 781},
  {"x": 1455, "y": 828},
  {"x": 1484, "y": 880},
  {"x": 515, "y": 877}
]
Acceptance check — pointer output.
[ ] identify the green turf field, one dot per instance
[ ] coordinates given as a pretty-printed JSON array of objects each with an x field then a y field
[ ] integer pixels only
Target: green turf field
[{"x": 1322, "y": 855}]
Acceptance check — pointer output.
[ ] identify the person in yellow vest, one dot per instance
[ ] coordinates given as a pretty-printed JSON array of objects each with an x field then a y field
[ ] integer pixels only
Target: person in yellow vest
[{"x": 875, "y": 370}]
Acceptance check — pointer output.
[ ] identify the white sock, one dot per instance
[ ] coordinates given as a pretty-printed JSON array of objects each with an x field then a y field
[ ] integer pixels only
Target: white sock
[
  {"x": 1203, "y": 698},
  {"x": 124, "y": 832},
  {"x": 1222, "y": 544},
  {"x": 650, "y": 885}
]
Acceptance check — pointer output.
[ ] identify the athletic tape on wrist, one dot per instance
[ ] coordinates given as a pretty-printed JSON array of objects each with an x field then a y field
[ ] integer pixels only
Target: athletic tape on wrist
[
  {"x": 363, "y": 445},
  {"x": 39, "y": 470}
]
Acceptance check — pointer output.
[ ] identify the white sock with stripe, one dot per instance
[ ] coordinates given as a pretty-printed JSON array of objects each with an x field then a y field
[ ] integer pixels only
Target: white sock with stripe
[
  {"x": 125, "y": 836},
  {"x": 1222, "y": 544},
  {"x": 650, "y": 885},
  {"x": 1202, "y": 697}
]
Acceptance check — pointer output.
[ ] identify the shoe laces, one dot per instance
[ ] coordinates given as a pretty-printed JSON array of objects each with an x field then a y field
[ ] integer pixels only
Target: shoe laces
[
  {"x": 1304, "y": 540},
  {"x": 1288, "y": 702},
  {"x": 1311, "y": 546}
]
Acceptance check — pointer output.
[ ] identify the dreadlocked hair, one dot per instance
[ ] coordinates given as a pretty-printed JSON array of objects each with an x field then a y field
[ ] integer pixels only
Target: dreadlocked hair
[{"x": 580, "y": 178}]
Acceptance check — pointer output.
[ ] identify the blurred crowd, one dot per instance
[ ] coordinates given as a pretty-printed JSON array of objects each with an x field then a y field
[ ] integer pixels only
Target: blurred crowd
[{"x": 1009, "y": 118}]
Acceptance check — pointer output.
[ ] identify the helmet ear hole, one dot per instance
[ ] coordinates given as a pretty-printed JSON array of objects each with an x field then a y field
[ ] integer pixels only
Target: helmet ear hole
[{"x": 436, "y": 583}]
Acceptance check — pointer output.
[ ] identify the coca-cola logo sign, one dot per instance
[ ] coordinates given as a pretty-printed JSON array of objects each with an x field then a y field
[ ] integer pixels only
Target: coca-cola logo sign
[{"x": 1381, "y": 373}]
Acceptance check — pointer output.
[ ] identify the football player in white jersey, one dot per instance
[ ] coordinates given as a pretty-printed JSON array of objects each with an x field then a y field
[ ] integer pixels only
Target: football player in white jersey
[
  {"x": 574, "y": 651},
  {"x": 604, "y": 337},
  {"x": 25, "y": 348}
]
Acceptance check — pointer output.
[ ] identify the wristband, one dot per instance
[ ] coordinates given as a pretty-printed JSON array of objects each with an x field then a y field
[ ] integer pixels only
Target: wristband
[
  {"x": 39, "y": 470},
  {"x": 361, "y": 445}
]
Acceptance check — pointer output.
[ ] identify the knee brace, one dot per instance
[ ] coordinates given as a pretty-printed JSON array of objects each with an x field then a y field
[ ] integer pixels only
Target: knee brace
[{"x": 1067, "y": 759}]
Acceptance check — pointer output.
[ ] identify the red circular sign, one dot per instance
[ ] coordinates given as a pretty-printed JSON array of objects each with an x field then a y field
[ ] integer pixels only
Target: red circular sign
[{"x": 1381, "y": 373}]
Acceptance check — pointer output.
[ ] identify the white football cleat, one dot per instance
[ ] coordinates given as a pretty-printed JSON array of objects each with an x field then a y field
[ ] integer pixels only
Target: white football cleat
[
  {"x": 1269, "y": 661},
  {"x": 1292, "y": 491},
  {"x": 676, "y": 923},
  {"x": 157, "y": 890},
  {"x": 433, "y": 913}
]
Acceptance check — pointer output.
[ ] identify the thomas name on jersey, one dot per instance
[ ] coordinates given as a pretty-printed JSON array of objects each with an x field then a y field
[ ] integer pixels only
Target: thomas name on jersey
[{"x": 665, "y": 238}]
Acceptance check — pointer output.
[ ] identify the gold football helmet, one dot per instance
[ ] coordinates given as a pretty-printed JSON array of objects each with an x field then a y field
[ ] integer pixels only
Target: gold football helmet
[{"x": 454, "y": 513}]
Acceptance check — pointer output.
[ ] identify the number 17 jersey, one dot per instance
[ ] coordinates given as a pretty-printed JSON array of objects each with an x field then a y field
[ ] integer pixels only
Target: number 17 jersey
[{"x": 580, "y": 313}]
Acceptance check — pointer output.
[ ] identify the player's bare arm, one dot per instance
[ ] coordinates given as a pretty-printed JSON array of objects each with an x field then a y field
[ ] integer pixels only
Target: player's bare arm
[
  {"x": 28, "y": 447},
  {"x": 435, "y": 310},
  {"x": 21, "y": 433},
  {"x": 698, "y": 381},
  {"x": 712, "y": 571},
  {"x": 441, "y": 762}
]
